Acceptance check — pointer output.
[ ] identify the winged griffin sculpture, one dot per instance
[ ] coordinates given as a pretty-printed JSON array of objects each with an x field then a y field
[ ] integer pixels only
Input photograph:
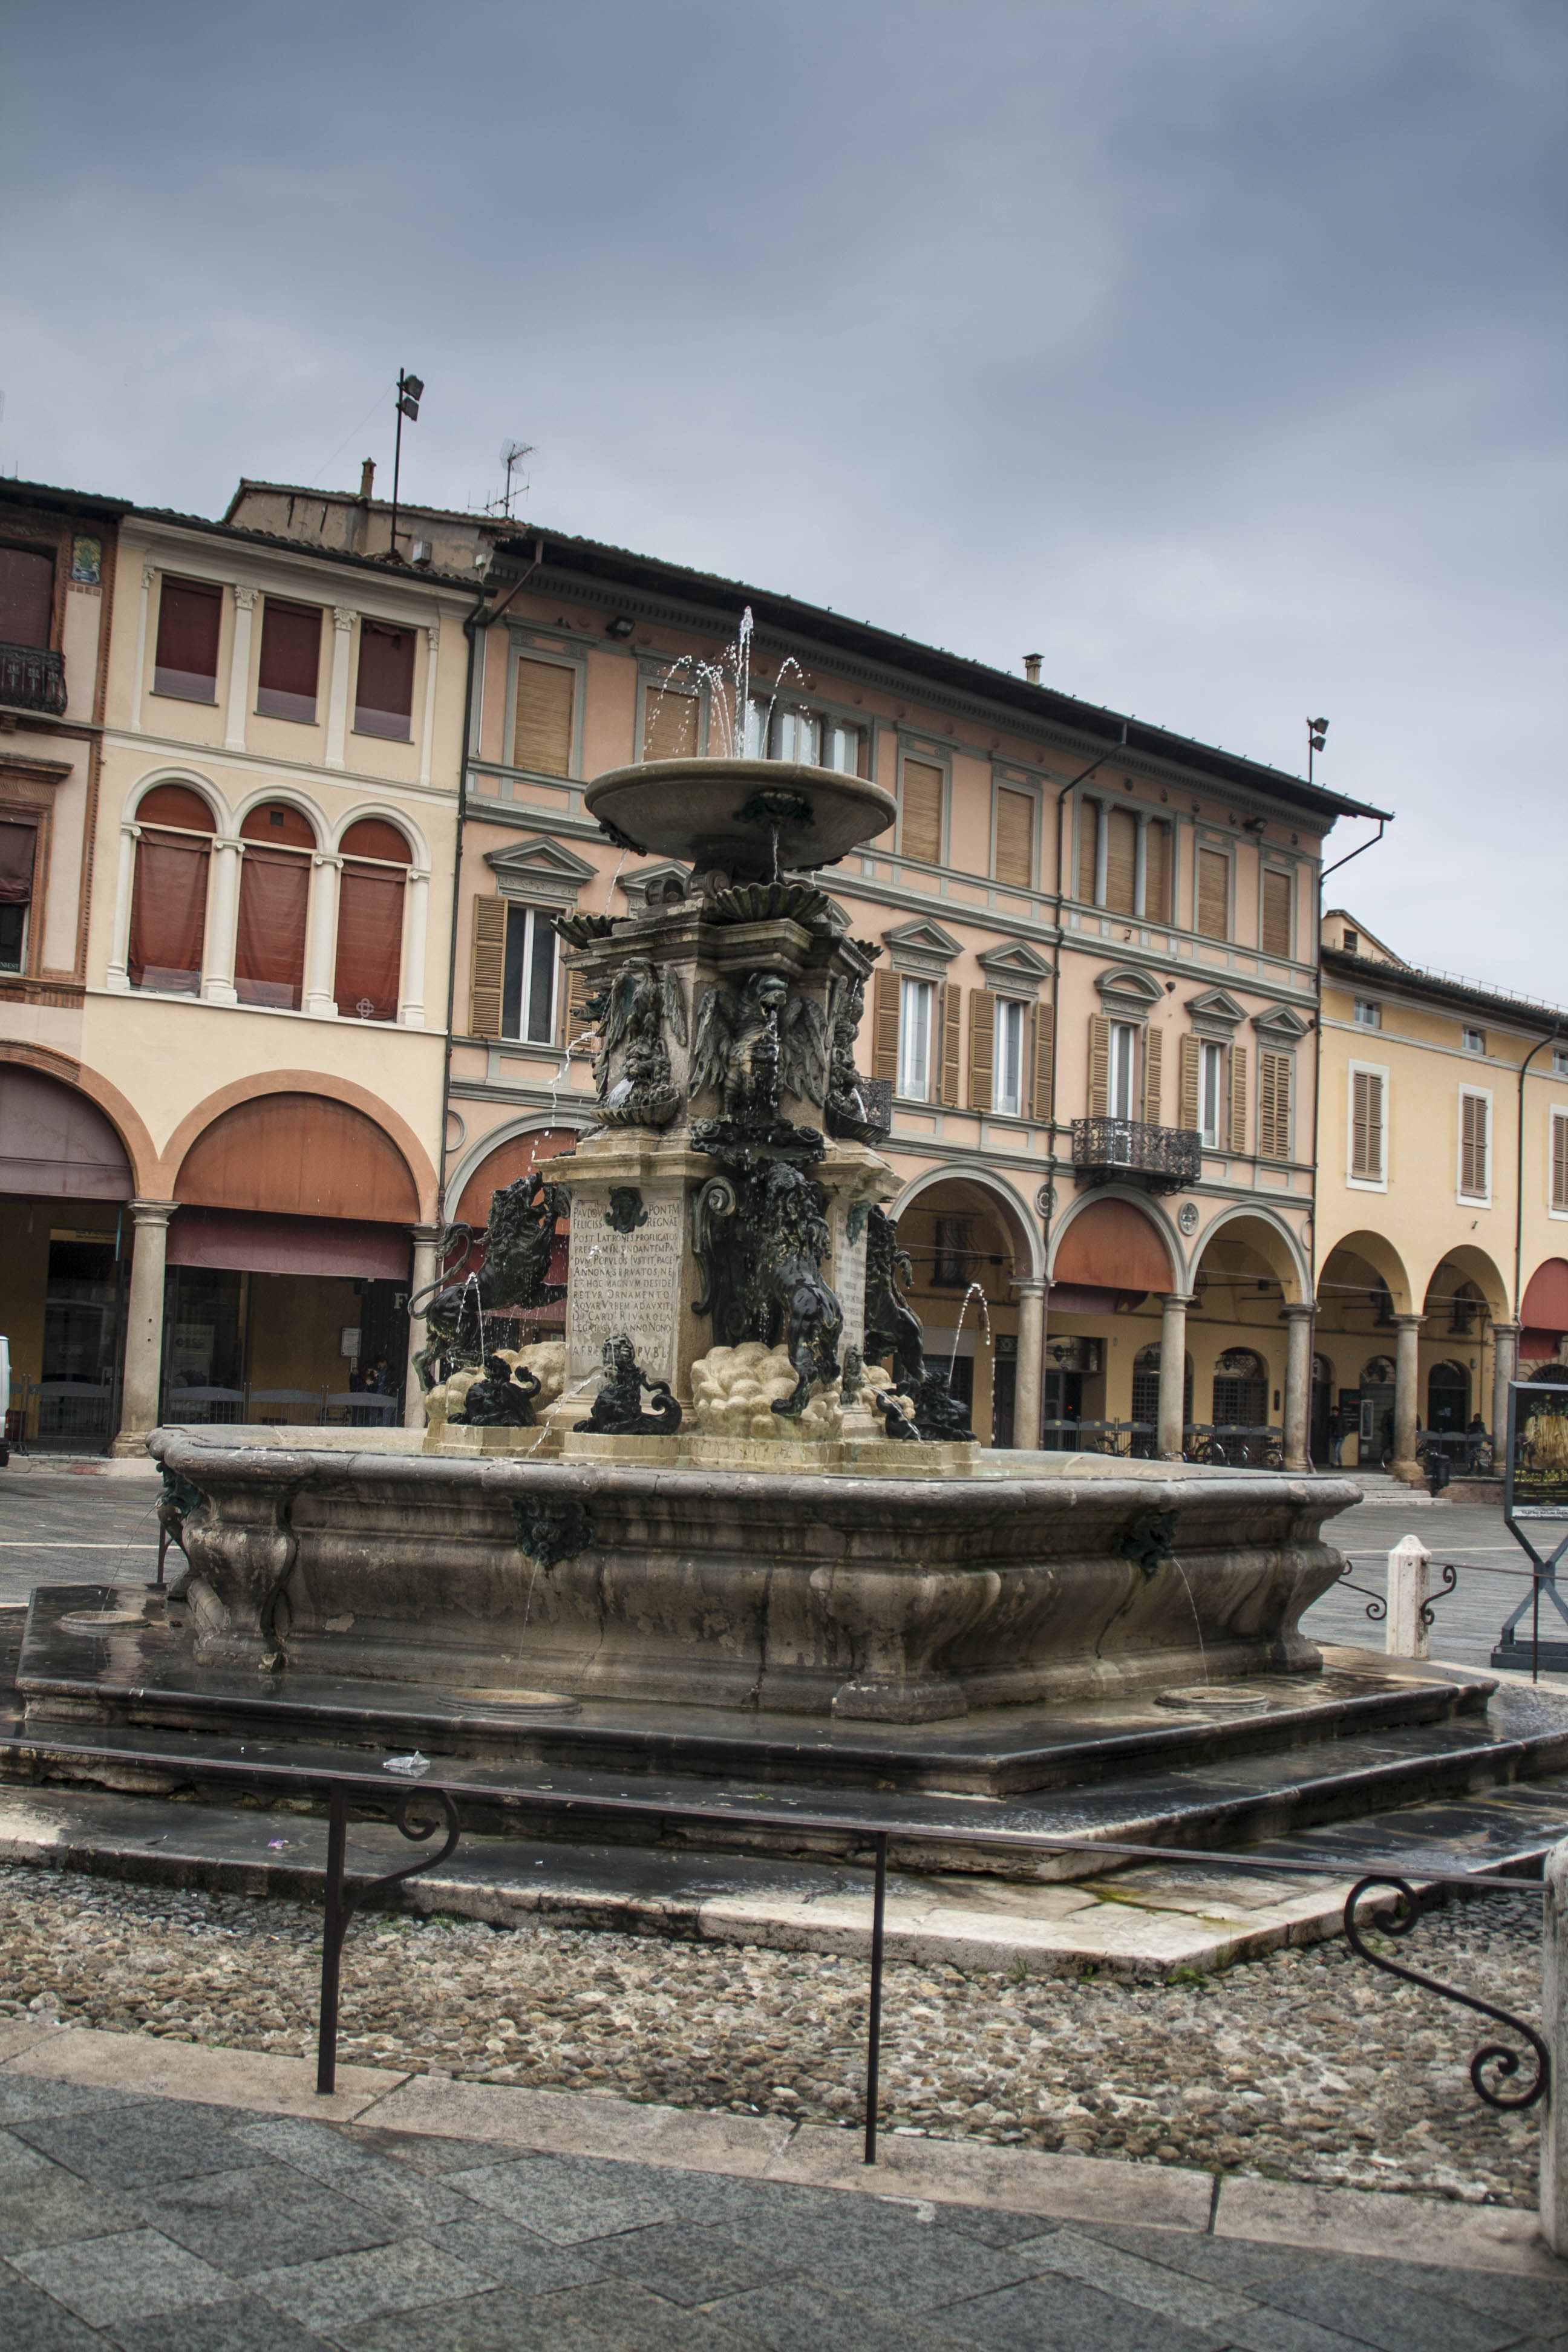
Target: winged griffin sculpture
[
  {"x": 633, "y": 1010},
  {"x": 758, "y": 1045}
]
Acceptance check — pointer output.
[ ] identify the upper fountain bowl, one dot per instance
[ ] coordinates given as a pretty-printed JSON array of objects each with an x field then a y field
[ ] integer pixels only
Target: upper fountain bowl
[{"x": 728, "y": 813}]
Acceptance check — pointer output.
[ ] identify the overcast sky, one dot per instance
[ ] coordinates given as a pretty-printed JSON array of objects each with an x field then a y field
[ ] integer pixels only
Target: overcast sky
[{"x": 1213, "y": 348}]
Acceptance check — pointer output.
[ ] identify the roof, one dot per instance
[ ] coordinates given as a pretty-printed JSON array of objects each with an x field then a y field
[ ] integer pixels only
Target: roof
[
  {"x": 476, "y": 520},
  {"x": 1445, "y": 988},
  {"x": 48, "y": 494},
  {"x": 388, "y": 567},
  {"x": 789, "y": 615}
]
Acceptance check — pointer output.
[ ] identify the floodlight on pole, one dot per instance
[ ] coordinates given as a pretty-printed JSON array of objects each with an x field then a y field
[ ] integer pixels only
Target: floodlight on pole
[
  {"x": 1317, "y": 729},
  {"x": 410, "y": 393}
]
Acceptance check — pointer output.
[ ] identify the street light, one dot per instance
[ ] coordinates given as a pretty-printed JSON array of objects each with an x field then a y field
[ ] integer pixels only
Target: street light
[
  {"x": 1316, "y": 731},
  {"x": 410, "y": 393}
]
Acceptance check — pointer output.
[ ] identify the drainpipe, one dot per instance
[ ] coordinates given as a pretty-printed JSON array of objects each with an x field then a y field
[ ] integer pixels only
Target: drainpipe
[
  {"x": 473, "y": 622},
  {"x": 1539, "y": 1046}
]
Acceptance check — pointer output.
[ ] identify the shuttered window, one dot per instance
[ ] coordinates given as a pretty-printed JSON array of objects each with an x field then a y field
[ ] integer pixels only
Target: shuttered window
[
  {"x": 169, "y": 899},
  {"x": 1157, "y": 872},
  {"x": 528, "y": 986},
  {"x": 1189, "y": 1083},
  {"x": 1213, "y": 894},
  {"x": 1475, "y": 1122},
  {"x": 1120, "y": 860},
  {"x": 488, "y": 975},
  {"x": 1154, "y": 1055},
  {"x": 546, "y": 698},
  {"x": 26, "y": 596},
  {"x": 1045, "y": 1043},
  {"x": 984, "y": 1093},
  {"x": 1122, "y": 1070},
  {"x": 1274, "y": 1106},
  {"x": 369, "y": 968},
  {"x": 1238, "y": 1098},
  {"x": 1088, "y": 820},
  {"x": 1098, "y": 1066},
  {"x": 383, "y": 690},
  {"x": 916, "y": 1010},
  {"x": 274, "y": 894},
  {"x": 1276, "y": 912},
  {"x": 290, "y": 671},
  {"x": 951, "y": 1008},
  {"x": 1211, "y": 1092},
  {"x": 580, "y": 1034},
  {"x": 1560, "y": 1160},
  {"x": 1366, "y": 1125},
  {"x": 885, "y": 1026},
  {"x": 670, "y": 724},
  {"x": 186, "y": 664},
  {"x": 920, "y": 814},
  {"x": 1009, "y": 1077},
  {"x": 1014, "y": 837}
]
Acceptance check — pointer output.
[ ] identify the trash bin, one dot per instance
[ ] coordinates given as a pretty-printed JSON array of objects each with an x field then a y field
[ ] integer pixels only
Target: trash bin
[{"x": 1438, "y": 1470}]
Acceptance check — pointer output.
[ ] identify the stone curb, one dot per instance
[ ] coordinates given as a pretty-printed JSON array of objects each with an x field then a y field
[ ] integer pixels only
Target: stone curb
[{"x": 769, "y": 2148}]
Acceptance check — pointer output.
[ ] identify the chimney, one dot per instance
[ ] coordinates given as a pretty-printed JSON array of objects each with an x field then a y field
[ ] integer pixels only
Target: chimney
[
  {"x": 367, "y": 479},
  {"x": 1032, "y": 668}
]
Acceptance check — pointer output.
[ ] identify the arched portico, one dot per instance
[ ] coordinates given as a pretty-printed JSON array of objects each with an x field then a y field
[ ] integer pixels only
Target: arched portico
[
  {"x": 1367, "y": 1316},
  {"x": 1252, "y": 1280},
  {"x": 970, "y": 1238}
]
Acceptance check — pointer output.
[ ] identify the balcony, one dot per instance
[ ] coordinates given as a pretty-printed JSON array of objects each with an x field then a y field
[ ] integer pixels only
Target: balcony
[
  {"x": 1164, "y": 1158},
  {"x": 33, "y": 679}
]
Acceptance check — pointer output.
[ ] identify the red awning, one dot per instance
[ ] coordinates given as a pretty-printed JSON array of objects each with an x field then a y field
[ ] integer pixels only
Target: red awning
[
  {"x": 245, "y": 1242},
  {"x": 1545, "y": 1301}
]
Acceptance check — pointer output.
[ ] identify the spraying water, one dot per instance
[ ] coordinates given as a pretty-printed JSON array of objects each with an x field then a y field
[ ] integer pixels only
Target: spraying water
[
  {"x": 731, "y": 715},
  {"x": 974, "y": 1291}
]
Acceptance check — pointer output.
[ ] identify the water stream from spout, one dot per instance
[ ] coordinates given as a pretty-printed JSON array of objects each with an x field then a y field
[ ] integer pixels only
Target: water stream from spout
[
  {"x": 1197, "y": 1626},
  {"x": 974, "y": 1291}
]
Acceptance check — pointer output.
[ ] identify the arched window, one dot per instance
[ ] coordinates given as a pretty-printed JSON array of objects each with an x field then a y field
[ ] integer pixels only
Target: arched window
[
  {"x": 169, "y": 902},
  {"x": 274, "y": 893},
  {"x": 370, "y": 921},
  {"x": 1240, "y": 1390}
]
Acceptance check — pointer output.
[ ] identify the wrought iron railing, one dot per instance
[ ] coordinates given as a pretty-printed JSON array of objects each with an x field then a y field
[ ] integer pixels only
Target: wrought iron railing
[
  {"x": 33, "y": 679},
  {"x": 1166, "y": 1158}
]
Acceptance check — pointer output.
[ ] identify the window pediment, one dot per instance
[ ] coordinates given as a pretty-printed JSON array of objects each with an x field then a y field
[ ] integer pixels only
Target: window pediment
[
  {"x": 656, "y": 886},
  {"x": 1016, "y": 969},
  {"x": 1129, "y": 991},
  {"x": 540, "y": 869},
  {"x": 1280, "y": 1025},
  {"x": 1216, "y": 1012},
  {"x": 923, "y": 948}
]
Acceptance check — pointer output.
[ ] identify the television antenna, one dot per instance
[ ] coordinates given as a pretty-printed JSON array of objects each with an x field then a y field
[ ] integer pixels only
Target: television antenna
[{"x": 512, "y": 454}]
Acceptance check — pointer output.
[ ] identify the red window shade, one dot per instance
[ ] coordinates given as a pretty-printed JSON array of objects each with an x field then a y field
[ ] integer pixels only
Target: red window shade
[
  {"x": 278, "y": 826},
  {"x": 269, "y": 948},
  {"x": 383, "y": 697},
  {"x": 175, "y": 804},
  {"x": 370, "y": 942},
  {"x": 168, "y": 913},
  {"x": 17, "y": 843},
  {"x": 187, "y": 665},
  {"x": 373, "y": 837},
  {"x": 290, "y": 661},
  {"x": 26, "y": 596}
]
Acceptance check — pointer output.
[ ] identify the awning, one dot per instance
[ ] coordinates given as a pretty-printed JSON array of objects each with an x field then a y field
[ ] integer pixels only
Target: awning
[{"x": 243, "y": 1242}]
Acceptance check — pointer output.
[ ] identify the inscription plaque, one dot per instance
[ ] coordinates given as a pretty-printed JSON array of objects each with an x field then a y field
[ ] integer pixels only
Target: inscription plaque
[
  {"x": 625, "y": 1282},
  {"x": 847, "y": 1276}
]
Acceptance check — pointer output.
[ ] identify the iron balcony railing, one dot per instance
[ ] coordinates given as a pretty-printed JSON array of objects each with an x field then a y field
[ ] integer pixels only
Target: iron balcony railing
[
  {"x": 1166, "y": 1158},
  {"x": 33, "y": 679}
]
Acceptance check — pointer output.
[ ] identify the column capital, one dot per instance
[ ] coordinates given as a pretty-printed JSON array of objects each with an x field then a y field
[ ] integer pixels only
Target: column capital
[
  {"x": 1501, "y": 1330},
  {"x": 1182, "y": 1298},
  {"x": 153, "y": 1213},
  {"x": 328, "y": 857},
  {"x": 1298, "y": 1310},
  {"x": 344, "y": 616},
  {"x": 244, "y": 599},
  {"x": 149, "y": 572},
  {"x": 1029, "y": 1286},
  {"x": 426, "y": 1237},
  {"x": 1409, "y": 1322}
]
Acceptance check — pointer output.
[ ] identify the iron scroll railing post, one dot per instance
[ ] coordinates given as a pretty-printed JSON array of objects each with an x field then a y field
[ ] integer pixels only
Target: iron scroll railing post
[
  {"x": 1549, "y": 1508},
  {"x": 874, "y": 2022},
  {"x": 1494, "y": 2055},
  {"x": 340, "y": 1905}
]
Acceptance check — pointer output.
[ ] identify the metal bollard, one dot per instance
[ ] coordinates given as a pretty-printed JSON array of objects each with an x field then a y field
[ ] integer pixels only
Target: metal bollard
[
  {"x": 1408, "y": 1633},
  {"x": 1555, "y": 2029}
]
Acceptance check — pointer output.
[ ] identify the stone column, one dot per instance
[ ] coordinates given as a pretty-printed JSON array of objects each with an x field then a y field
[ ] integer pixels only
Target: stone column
[
  {"x": 1406, "y": 1399},
  {"x": 1298, "y": 1384},
  {"x": 1554, "y": 2033},
  {"x": 1141, "y": 867},
  {"x": 415, "y": 926},
  {"x": 1172, "y": 1376},
  {"x": 1031, "y": 1297},
  {"x": 322, "y": 941},
  {"x": 1505, "y": 1368},
  {"x": 119, "y": 974},
  {"x": 223, "y": 923},
  {"x": 240, "y": 671},
  {"x": 343, "y": 618},
  {"x": 424, "y": 1238},
  {"x": 143, "y": 1325}
]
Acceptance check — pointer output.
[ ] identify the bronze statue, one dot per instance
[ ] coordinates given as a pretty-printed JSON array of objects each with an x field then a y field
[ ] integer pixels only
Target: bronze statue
[
  {"x": 757, "y": 1046},
  {"x": 503, "y": 1398},
  {"x": 617, "y": 1409},
  {"x": 519, "y": 1240}
]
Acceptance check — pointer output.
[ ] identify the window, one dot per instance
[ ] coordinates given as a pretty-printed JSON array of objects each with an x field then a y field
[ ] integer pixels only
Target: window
[
  {"x": 781, "y": 730},
  {"x": 1559, "y": 1162},
  {"x": 546, "y": 709},
  {"x": 290, "y": 665},
  {"x": 1211, "y": 1094},
  {"x": 26, "y": 596},
  {"x": 796, "y": 736},
  {"x": 1351, "y": 942},
  {"x": 369, "y": 970},
  {"x": 1240, "y": 1389},
  {"x": 920, "y": 812},
  {"x": 954, "y": 1262},
  {"x": 384, "y": 695},
  {"x": 1366, "y": 1014},
  {"x": 186, "y": 664},
  {"x": 17, "y": 845},
  {"x": 1014, "y": 837},
  {"x": 1122, "y": 1068},
  {"x": 1274, "y": 1078},
  {"x": 1157, "y": 871},
  {"x": 915, "y": 1009},
  {"x": 1213, "y": 894},
  {"x": 845, "y": 749},
  {"x": 1475, "y": 1136},
  {"x": 528, "y": 983},
  {"x": 1089, "y": 823},
  {"x": 274, "y": 894},
  {"x": 1276, "y": 912},
  {"x": 1366, "y": 1126},
  {"x": 1560, "y": 1063},
  {"x": 669, "y": 723},
  {"x": 1121, "y": 861},
  {"x": 169, "y": 899},
  {"x": 1474, "y": 1041},
  {"x": 1007, "y": 1085}
]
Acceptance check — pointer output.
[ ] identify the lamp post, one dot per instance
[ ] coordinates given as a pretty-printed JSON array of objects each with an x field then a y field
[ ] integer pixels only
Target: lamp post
[
  {"x": 410, "y": 391},
  {"x": 1316, "y": 731}
]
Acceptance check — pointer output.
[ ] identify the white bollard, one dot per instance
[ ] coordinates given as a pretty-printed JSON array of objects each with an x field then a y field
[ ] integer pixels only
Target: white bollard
[
  {"x": 1554, "y": 2033},
  {"x": 1406, "y": 1636}
]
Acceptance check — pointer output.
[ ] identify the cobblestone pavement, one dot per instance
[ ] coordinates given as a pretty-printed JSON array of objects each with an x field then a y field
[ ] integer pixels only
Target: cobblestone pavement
[{"x": 1304, "y": 2065}]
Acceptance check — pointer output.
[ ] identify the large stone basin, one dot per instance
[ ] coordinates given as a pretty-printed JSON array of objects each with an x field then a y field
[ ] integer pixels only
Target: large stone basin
[{"x": 1041, "y": 1576}]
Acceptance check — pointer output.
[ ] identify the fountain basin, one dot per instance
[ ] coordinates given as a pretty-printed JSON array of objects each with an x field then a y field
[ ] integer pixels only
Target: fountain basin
[
  {"x": 870, "y": 1598},
  {"x": 726, "y": 812}
]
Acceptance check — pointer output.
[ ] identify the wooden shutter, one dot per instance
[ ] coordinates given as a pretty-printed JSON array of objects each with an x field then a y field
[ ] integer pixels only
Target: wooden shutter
[
  {"x": 541, "y": 739},
  {"x": 489, "y": 972},
  {"x": 1088, "y": 849},
  {"x": 951, "y": 1006},
  {"x": 1560, "y": 1160},
  {"x": 885, "y": 1026},
  {"x": 670, "y": 724},
  {"x": 1276, "y": 912},
  {"x": 919, "y": 829},
  {"x": 1120, "y": 860},
  {"x": 1238, "y": 1098},
  {"x": 1014, "y": 837},
  {"x": 579, "y": 1024},
  {"x": 982, "y": 1049},
  {"x": 1157, "y": 872},
  {"x": 1190, "y": 1110},
  {"x": 1213, "y": 894},
  {"x": 1273, "y": 1106},
  {"x": 1366, "y": 1124},
  {"x": 1045, "y": 1043},
  {"x": 1154, "y": 1060},
  {"x": 1099, "y": 1066},
  {"x": 1473, "y": 1146}
]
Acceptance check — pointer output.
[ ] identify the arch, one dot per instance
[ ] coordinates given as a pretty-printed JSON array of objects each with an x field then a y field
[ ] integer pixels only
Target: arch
[
  {"x": 1115, "y": 1240},
  {"x": 317, "y": 1083},
  {"x": 1384, "y": 1260},
  {"x": 55, "y": 1142},
  {"x": 127, "y": 1122},
  {"x": 1472, "y": 1265},
  {"x": 1020, "y": 1228},
  {"x": 501, "y": 1158},
  {"x": 201, "y": 785},
  {"x": 299, "y": 1155},
  {"x": 281, "y": 795},
  {"x": 384, "y": 812},
  {"x": 1240, "y": 1392},
  {"x": 1271, "y": 1238}
]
